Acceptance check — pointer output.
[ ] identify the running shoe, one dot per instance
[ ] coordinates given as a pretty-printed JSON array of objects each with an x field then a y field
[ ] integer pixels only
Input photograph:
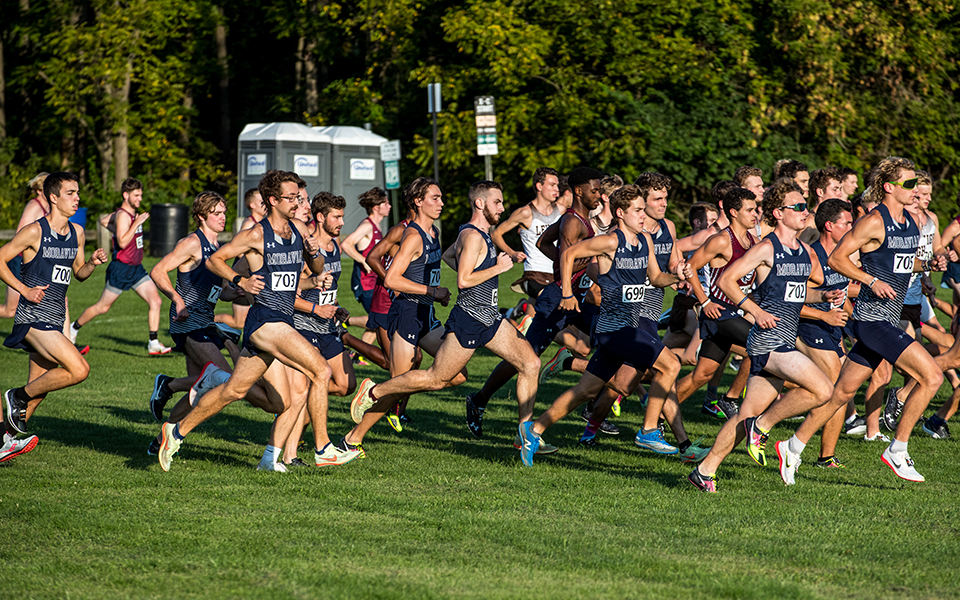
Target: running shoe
[
  {"x": 296, "y": 463},
  {"x": 605, "y": 426},
  {"x": 789, "y": 462},
  {"x": 877, "y": 437},
  {"x": 229, "y": 333},
  {"x": 734, "y": 364},
  {"x": 530, "y": 443},
  {"x": 902, "y": 465},
  {"x": 393, "y": 417},
  {"x": 210, "y": 377},
  {"x": 936, "y": 428},
  {"x": 891, "y": 410},
  {"x": 14, "y": 447},
  {"x": 704, "y": 483},
  {"x": 709, "y": 407},
  {"x": 16, "y": 411},
  {"x": 830, "y": 463},
  {"x": 644, "y": 400},
  {"x": 161, "y": 394},
  {"x": 727, "y": 407},
  {"x": 155, "y": 348},
  {"x": 154, "y": 448},
  {"x": 359, "y": 360},
  {"x": 588, "y": 442},
  {"x": 654, "y": 441},
  {"x": 524, "y": 325},
  {"x": 555, "y": 365},
  {"x": 344, "y": 446},
  {"x": 615, "y": 409},
  {"x": 169, "y": 446},
  {"x": 83, "y": 350},
  {"x": 332, "y": 456},
  {"x": 276, "y": 467},
  {"x": 695, "y": 453},
  {"x": 362, "y": 401},
  {"x": 543, "y": 449},
  {"x": 474, "y": 417},
  {"x": 857, "y": 426},
  {"x": 756, "y": 440}
]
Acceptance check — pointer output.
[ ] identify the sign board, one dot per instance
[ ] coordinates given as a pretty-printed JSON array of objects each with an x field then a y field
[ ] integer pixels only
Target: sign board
[
  {"x": 486, "y": 117},
  {"x": 433, "y": 98},
  {"x": 390, "y": 151},
  {"x": 364, "y": 169},
  {"x": 306, "y": 165},
  {"x": 391, "y": 174},
  {"x": 486, "y": 120},
  {"x": 256, "y": 164},
  {"x": 484, "y": 105}
]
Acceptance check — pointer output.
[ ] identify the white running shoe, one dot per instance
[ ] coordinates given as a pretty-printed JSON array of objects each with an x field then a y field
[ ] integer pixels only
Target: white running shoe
[
  {"x": 544, "y": 447},
  {"x": 14, "y": 447},
  {"x": 155, "y": 348},
  {"x": 362, "y": 401},
  {"x": 902, "y": 465},
  {"x": 267, "y": 465},
  {"x": 877, "y": 437},
  {"x": 169, "y": 446},
  {"x": 333, "y": 456},
  {"x": 789, "y": 462},
  {"x": 210, "y": 377}
]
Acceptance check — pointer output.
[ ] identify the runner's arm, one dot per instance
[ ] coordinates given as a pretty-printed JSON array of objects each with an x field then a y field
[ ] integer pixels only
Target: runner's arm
[
  {"x": 375, "y": 258},
  {"x": 522, "y": 217},
  {"x": 349, "y": 244},
  {"x": 471, "y": 249}
]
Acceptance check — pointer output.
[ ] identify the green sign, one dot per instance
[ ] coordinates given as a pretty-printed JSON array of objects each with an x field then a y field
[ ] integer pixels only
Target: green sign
[{"x": 391, "y": 174}]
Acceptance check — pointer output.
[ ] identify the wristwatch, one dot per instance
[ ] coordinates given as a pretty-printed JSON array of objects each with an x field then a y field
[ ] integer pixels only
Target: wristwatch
[{"x": 236, "y": 280}]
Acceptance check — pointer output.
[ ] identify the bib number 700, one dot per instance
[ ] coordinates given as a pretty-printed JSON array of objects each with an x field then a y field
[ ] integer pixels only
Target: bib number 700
[
  {"x": 61, "y": 275},
  {"x": 903, "y": 263},
  {"x": 434, "y": 277}
]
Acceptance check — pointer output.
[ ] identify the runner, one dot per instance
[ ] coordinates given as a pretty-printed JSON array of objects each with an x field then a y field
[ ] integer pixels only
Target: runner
[{"x": 357, "y": 246}]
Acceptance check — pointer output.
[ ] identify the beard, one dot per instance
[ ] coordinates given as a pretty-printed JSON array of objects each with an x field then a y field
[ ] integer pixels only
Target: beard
[{"x": 491, "y": 218}]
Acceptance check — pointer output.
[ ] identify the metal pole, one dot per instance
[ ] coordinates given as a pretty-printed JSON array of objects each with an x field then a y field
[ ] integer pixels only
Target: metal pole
[
  {"x": 488, "y": 167},
  {"x": 436, "y": 163}
]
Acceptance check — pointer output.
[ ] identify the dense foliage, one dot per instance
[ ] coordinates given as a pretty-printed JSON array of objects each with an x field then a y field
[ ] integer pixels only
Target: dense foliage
[{"x": 161, "y": 89}]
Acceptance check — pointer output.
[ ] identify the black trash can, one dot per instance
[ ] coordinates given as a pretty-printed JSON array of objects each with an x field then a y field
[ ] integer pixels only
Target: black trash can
[{"x": 168, "y": 225}]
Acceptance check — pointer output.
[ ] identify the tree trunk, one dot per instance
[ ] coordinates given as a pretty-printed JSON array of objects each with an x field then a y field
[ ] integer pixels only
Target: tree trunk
[
  {"x": 298, "y": 70},
  {"x": 185, "y": 132},
  {"x": 121, "y": 142},
  {"x": 311, "y": 93},
  {"x": 224, "y": 63}
]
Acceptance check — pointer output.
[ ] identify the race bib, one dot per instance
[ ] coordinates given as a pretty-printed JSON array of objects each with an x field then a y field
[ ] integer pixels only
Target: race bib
[
  {"x": 495, "y": 299},
  {"x": 795, "y": 291},
  {"x": 585, "y": 282},
  {"x": 903, "y": 263},
  {"x": 633, "y": 293},
  {"x": 214, "y": 294},
  {"x": 139, "y": 242},
  {"x": 284, "y": 281},
  {"x": 60, "y": 275},
  {"x": 434, "y": 277},
  {"x": 327, "y": 297}
]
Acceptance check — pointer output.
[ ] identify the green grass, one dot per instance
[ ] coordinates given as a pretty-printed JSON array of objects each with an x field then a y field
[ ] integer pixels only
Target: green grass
[{"x": 434, "y": 513}]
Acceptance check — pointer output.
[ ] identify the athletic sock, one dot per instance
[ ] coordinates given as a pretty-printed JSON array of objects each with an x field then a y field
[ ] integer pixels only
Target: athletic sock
[
  {"x": 825, "y": 458},
  {"x": 647, "y": 431},
  {"x": 567, "y": 364},
  {"x": 271, "y": 453},
  {"x": 898, "y": 446},
  {"x": 76, "y": 325},
  {"x": 176, "y": 433},
  {"x": 592, "y": 427},
  {"x": 153, "y": 335},
  {"x": 852, "y": 418},
  {"x": 684, "y": 445},
  {"x": 712, "y": 391},
  {"x": 21, "y": 395},
  {"x": 795, "y": 445}
]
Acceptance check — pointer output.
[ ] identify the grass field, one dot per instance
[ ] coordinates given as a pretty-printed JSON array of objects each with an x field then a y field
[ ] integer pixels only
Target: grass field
[{"x": 434, "y": 513}]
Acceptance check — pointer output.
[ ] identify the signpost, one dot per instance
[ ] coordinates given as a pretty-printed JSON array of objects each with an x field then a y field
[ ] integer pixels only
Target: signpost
[
  {"x": 433, "y": 106},
  {"x": 390, "y": 156},
  {"x": 486, "y": 116}
]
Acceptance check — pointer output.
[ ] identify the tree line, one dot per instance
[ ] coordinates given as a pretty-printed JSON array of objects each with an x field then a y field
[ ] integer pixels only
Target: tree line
[{"x": 160, "y": 89}]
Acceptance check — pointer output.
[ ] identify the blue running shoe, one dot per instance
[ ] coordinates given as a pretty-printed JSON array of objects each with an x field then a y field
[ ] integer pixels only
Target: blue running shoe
[
  {"x": 531, "y": 443},
  {"x": 654, "y": 441}
]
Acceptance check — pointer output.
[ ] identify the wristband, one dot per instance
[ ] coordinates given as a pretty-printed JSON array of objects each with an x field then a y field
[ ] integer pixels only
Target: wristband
[
  {"x": 707, "y": 302},
  {"x": 313, "y": 310},
  {"x": 566, "y": 297},
  {"x": 317, "y": 255},
  {"x": 873, "y": 281},
  {"x": 739, "y": 304}
]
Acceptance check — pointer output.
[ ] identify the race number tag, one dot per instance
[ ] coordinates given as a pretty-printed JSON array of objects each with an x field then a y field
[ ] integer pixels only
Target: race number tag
[
  {"x": 633, "y": 293},
  {"x": 139, "y": 242},
  {"x": 283, "y": 282},
  {"x": 795, "y": 291},
  {"x": 60, "y": 275},
  {"x": 585, "y": 282},
  {"x": 495, "y": 300},
  {"x": 327, "y": 297},
  {"x": 903, "y": 263},
  {"x": 434, "y": 277},
  {"x": 214, "y": 294}
]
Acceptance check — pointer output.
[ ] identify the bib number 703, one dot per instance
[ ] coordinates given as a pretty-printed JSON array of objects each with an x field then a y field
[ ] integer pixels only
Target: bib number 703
[{"x": 284, "y": 281}]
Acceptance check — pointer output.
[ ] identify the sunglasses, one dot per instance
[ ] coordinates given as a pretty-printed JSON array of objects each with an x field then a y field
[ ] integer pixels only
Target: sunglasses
[
  {"x": 909, "y": 184},
  {"x": 799, "y": 206}
]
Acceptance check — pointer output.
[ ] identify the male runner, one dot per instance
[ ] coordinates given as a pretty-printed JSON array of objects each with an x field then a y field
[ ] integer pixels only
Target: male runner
[
  {"x": 358, "y": 245},
  {"x": 52, "y": 250},
  {"x": 254, "y": 203},
  {"x": 887, "y": 239},
  {"x": 783, "y": 266},
  {"x": 35, "y": 209},
  {"x": 275, "y": 250},
  {"x": 126, "y": 269},
  {"x": 824, "y": 185},
  {"x": 574, "y": 226},
  {"x": 474, "y": 322},
  {"x": 627, "y": 264},
  {"x": 750, "y": 178}
]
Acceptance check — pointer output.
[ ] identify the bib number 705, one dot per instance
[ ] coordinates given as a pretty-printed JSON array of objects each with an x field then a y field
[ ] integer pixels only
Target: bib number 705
[{"x": 903, "y": 263}]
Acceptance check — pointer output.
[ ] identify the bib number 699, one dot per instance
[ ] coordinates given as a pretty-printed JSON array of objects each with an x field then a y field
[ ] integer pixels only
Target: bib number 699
[{"x": 632, "y": 293}]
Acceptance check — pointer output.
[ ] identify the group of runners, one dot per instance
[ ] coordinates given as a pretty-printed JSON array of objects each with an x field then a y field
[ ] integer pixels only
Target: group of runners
[{"x": 779, "y": 278}]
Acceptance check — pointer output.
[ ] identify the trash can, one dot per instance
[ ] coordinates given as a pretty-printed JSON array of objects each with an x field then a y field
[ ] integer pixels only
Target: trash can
[{"x": 168, "y": 225}]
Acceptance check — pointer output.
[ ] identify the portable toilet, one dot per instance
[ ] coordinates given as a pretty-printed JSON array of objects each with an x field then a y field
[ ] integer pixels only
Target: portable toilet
[
  {"x": 288, "y": 146},
  {"x": 356, "y": 168}
]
